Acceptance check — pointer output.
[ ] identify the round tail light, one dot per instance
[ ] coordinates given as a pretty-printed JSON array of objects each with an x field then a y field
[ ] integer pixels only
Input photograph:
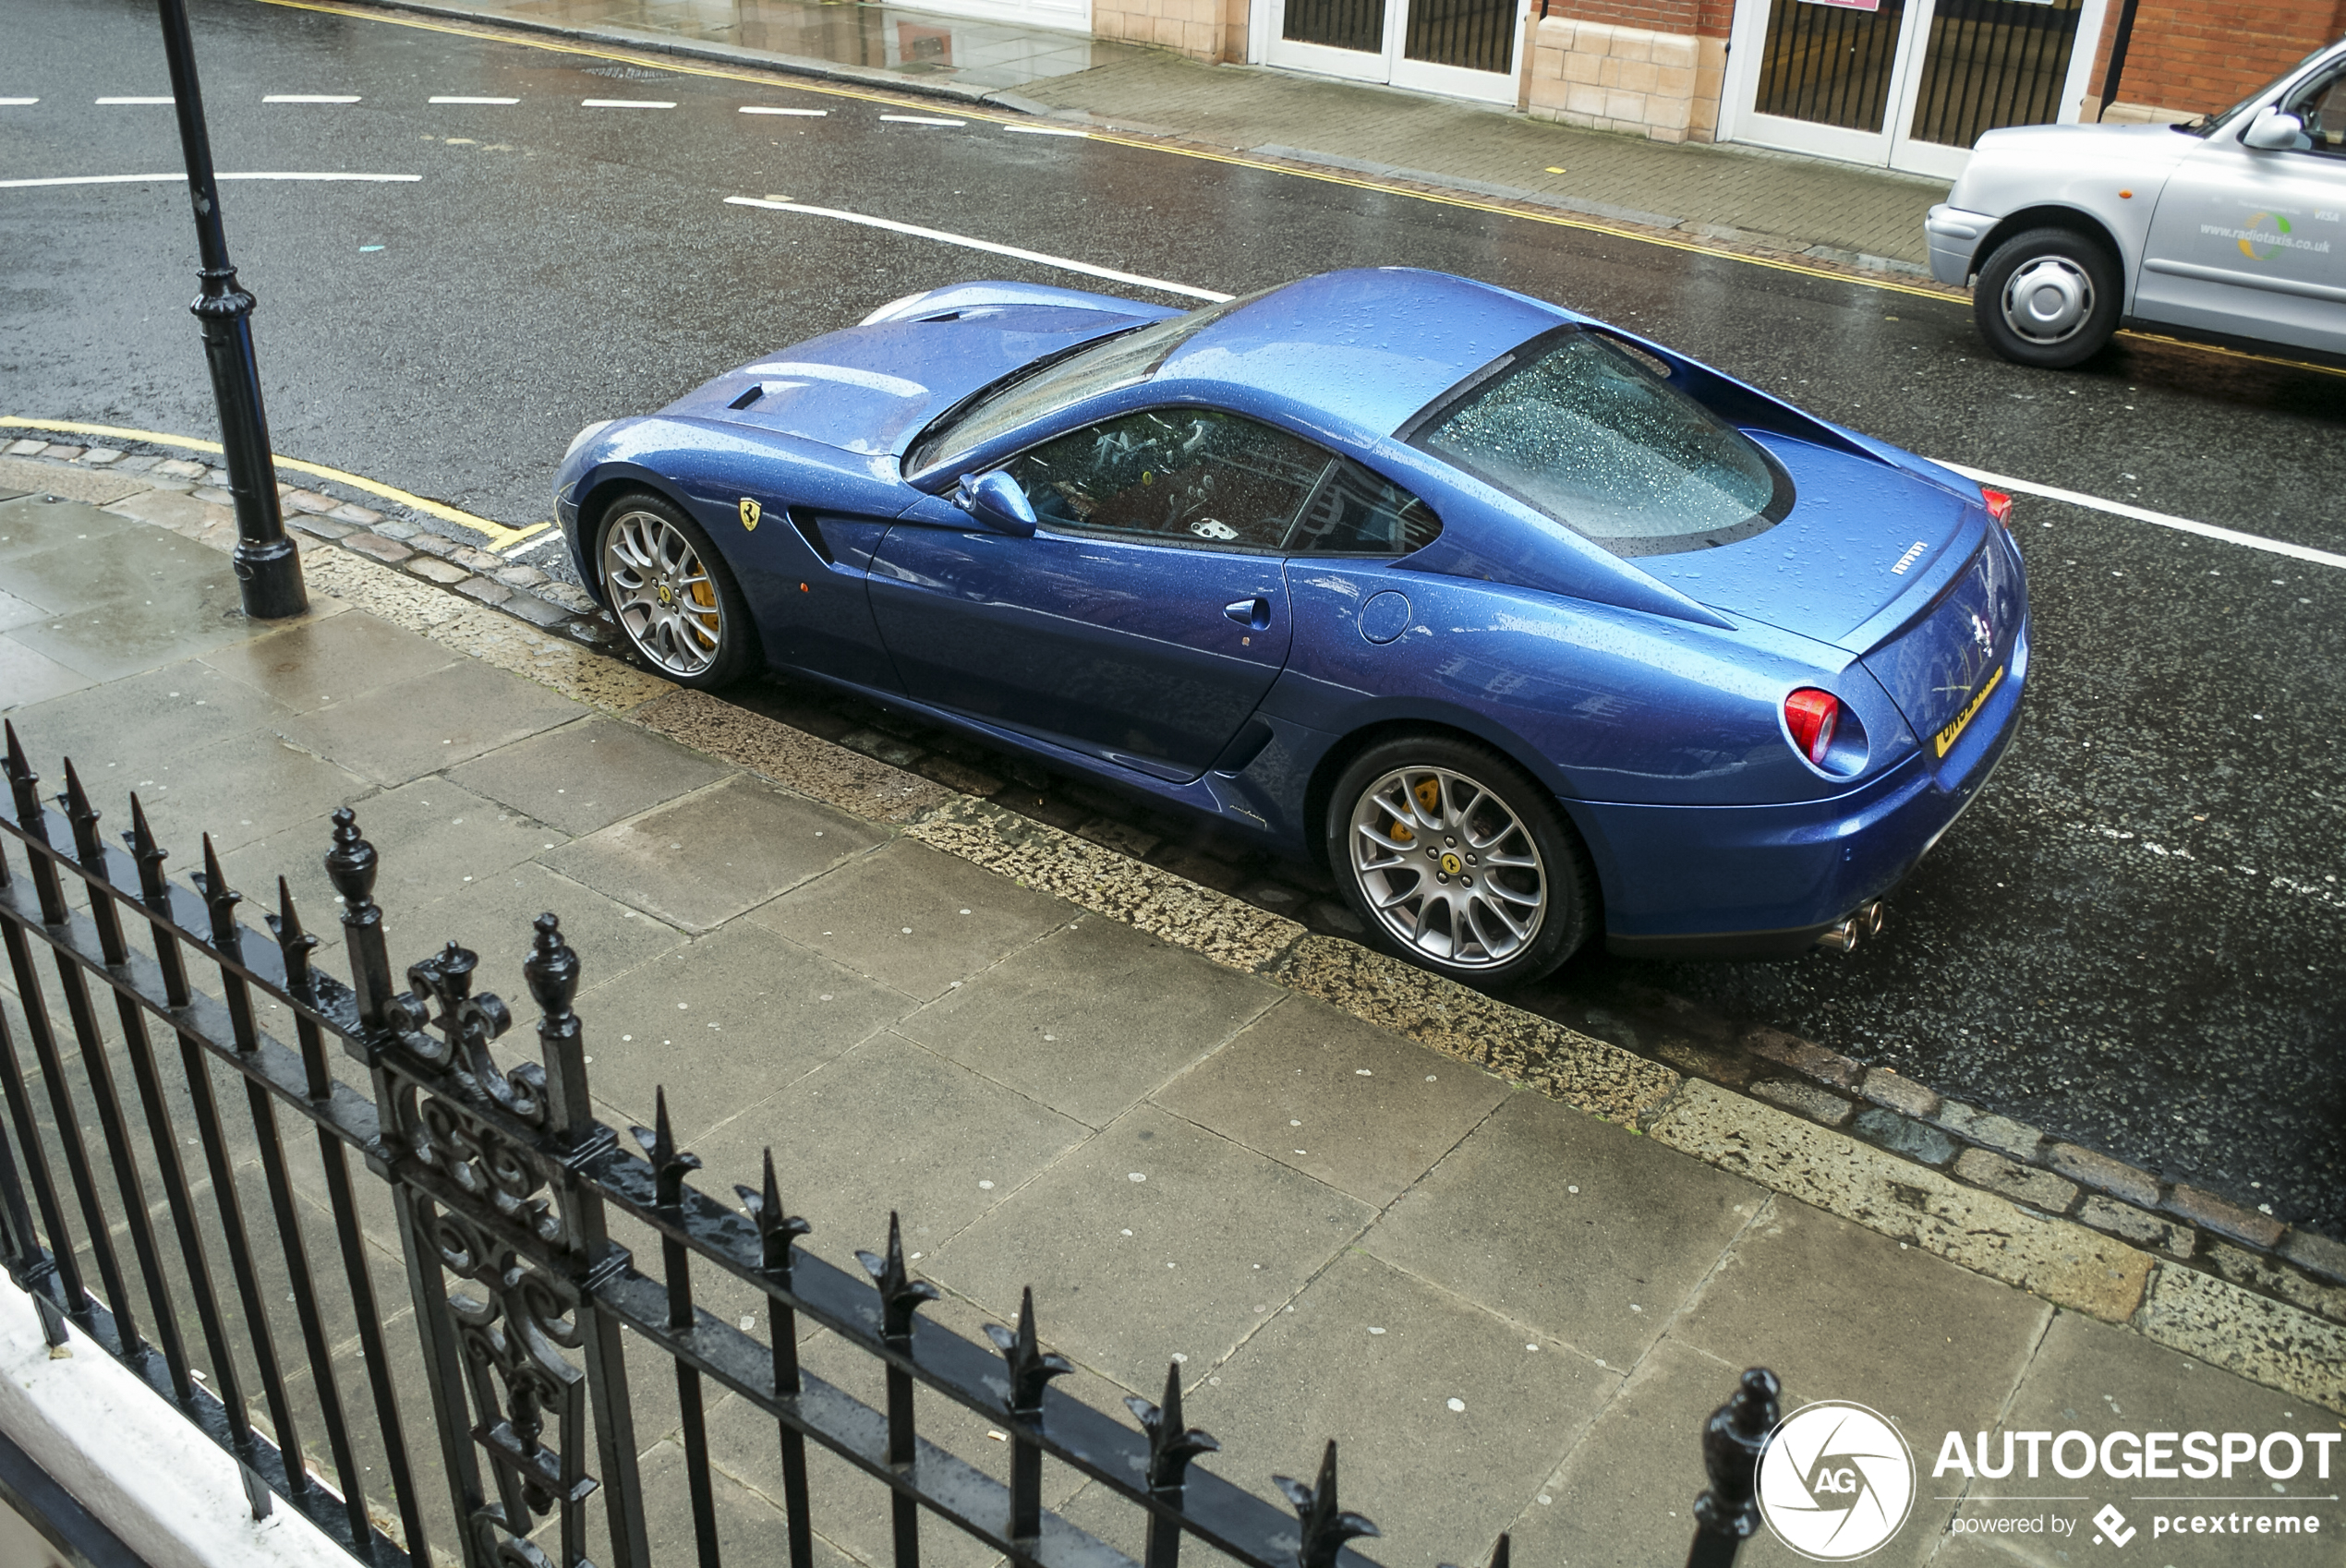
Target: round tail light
[{"x": 1812, "y": 716}]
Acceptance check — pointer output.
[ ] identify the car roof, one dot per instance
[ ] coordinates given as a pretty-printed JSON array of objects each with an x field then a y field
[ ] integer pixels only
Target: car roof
[{"x": 1370, "y": 346}]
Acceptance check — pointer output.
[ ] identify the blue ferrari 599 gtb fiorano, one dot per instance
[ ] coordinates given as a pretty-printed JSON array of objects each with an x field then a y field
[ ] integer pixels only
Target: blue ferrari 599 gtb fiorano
[{"x": 1527, "y": 627}]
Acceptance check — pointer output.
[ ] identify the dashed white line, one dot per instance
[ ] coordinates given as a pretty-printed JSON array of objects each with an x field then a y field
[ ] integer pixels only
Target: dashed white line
[
  {"x": 17, "y": 103},
  {"x": 922, "y": 120},
  {"x": 133, "y": 100},
  {"x": 1049, "y": 130},
  {"x": 151, "y": 179},
  {"x": 2143, "y": 514},
  {"x": 309, "y": 98},
  {"x": 942, "y": 237},
  {"x": 446, "y": 98},
  {"x": 768, "y": 109},
  {"x": 626, "y": 104}
]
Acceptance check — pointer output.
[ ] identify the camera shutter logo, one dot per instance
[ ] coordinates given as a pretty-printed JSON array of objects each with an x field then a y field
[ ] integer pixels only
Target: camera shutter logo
[{"x": 1837, "y": 1481}]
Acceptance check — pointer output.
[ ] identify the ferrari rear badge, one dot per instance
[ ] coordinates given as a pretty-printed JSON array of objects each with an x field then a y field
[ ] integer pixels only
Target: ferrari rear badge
[{"x": 751, "y": 512}]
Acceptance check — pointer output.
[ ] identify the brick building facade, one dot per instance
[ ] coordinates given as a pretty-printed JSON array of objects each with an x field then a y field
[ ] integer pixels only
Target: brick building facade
[{"x": 2187, "y": 57}]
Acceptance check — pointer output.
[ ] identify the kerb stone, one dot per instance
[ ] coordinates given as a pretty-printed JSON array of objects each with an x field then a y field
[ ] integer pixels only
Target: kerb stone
[
  {"x": 2065, "y": 1263},
  {"x": 1904, "y": 1135},
  {"x": 2317, "y": 1254},
  {"x": 2210, "y": 1212},
  {"x": 2128, "y": 1223},
  {"x": 2038, "y": 1189},
  {"x": 1806, "y": 1099},
  {"x": 2016, "y": 1139},
  {"x": 1806, "y": 1059},
  {"x": 1901, "y": 1094},
  {"x": 2282, "y": 1346},
  {"x": 2099, "y": 1171},
  {"x": 391, "y": 552}
]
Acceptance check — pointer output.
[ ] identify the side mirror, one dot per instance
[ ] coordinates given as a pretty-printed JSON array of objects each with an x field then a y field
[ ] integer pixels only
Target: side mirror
[
  {"x": 2273, "y": 131},
  {"x": 995, "y": 499}
]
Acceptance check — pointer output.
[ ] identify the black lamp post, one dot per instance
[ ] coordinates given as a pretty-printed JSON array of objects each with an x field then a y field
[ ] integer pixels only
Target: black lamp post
[{"x": 267, "y": 565}]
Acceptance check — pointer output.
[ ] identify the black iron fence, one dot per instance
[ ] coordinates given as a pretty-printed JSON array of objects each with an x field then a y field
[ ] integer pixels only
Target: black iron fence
[{"x": 502, "y": 1180}]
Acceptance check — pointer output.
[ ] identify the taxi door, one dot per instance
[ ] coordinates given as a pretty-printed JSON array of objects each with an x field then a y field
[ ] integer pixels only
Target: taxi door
[{"x": 2253, "y": 242}]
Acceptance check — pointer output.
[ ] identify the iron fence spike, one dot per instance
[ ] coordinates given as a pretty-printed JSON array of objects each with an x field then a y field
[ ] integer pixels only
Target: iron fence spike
[
  {"x": 1171, "y": 1445},
  {"x": 141, "y": 838},
  {"x": 1031, "y": 1366},
  {"x": 220, "y": 900},
  {"x": 777, "y": 1230},
  {"x": 1325, "y": 1524},
  {"x": 25, "y": 784},
  {"x": 292, "y": 940},
  {"x": 901, "y": 1295},
  {"x": 82, "y": 815},
  {"x": 669, "y": 1164}
]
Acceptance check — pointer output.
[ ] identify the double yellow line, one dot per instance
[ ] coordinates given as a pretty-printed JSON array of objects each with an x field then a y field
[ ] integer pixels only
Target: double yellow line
[{"x": 500, "y": 537}]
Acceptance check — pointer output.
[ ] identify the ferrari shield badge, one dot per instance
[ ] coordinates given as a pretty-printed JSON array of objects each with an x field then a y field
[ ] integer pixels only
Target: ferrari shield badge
[{"x": 751, "y": 512}]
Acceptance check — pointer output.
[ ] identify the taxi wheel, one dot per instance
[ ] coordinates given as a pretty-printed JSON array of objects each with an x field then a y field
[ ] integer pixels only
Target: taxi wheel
[
  {"x": 1458, "y": 860},
  {"x": 673, "y": 598},
  {"x": 2048, "y": 298}
]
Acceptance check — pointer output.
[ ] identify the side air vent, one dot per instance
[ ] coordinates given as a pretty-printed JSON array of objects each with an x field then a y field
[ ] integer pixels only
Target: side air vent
[{"x": 748, "y": 397}]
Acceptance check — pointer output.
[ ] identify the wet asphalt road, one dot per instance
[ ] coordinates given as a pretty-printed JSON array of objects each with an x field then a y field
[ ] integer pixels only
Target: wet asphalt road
[{"x": 2134, "y": 940}]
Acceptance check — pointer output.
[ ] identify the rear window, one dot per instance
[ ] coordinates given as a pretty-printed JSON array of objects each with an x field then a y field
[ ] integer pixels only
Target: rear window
[{"x": 1573, "y": 425}]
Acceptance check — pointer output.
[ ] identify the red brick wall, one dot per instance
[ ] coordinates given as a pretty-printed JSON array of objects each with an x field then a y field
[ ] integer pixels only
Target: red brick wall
[
  {"x": 1701, "y": 18},
  {"x": 2206, "y": 55}
]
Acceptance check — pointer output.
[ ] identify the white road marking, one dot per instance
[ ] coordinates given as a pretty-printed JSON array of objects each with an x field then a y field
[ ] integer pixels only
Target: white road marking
[
  {"x": 2143, "y": 514},
  {"x": 133, "y": 100},
  {"x": 17, "y": 103},
  {"x": 447, "y": 99},
  {"x": 922, "y": 120},
  {"x": 149, "y": 179},
  {"x": 309, "y": 98},
  {"x": 986, "y": 244},
  {"x": 626, "y": 104},
  {"x": 529, "y": 547},
  {"x": 1049, "y": 130},
  {"x": 768, "y": 109}
]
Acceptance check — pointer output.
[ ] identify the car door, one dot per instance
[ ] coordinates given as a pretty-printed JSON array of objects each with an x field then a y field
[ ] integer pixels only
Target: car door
[
  {"x": 1148, "y": 614},
  {"x": 2252, "y": 242}
]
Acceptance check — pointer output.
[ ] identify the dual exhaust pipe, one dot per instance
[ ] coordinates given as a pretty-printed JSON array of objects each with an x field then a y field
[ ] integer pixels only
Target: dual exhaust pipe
[{"x": 1863, "y": 924}]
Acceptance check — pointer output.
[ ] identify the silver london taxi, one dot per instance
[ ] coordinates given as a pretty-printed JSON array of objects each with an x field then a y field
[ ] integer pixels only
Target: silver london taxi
[{"x": 2230, "y": 228}]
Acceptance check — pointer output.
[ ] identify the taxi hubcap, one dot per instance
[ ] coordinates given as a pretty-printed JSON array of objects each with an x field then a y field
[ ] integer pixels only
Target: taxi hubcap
[
  {"x": 1447, "y": 867},
  {"x": 662, "y": 593},
  {"x": 2048, "y": 299}
]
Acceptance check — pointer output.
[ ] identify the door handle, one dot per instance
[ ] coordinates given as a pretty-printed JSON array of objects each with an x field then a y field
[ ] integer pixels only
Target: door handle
[{"x": 1254, "y": 613}]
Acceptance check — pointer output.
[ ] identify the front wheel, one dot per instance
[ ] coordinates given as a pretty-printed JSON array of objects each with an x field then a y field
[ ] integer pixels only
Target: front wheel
[
  {"x": 1458, "y": 861},
  {"x": 2048, "y": 297},
  {"x": 672, "y": 594}
]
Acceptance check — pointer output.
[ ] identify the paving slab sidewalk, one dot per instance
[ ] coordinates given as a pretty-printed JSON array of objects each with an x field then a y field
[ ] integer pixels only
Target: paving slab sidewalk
[
  {"x": 1737, "y": 197},
  {"x": 1203, "y": 1135}
]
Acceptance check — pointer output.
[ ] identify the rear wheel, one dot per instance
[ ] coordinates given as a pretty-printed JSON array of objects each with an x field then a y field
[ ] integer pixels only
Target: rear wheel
[
  {"x": 2048, "y": 298},
  {"x": 1458, "y": 861},
  {"x": 673, "y": 597}
]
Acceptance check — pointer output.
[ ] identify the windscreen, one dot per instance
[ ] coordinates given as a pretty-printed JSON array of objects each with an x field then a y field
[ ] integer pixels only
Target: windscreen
[
  {"x": 1582, "y": 431},
  {"x": 1031, "y": 393}
]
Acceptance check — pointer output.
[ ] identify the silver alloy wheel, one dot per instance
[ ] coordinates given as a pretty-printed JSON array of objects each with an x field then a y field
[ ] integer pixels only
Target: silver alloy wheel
[
  {"x": 2048, "y": 299},
  {"x": 661, "y": 592},
  {"x": 1447, "y": 866}
]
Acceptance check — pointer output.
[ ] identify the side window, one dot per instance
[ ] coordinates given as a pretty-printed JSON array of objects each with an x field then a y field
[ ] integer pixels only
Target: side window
[
  {"x": 1358, "y": 514},
  {"x": 2321, "y": 108},
  {"x": 1185, "y": 476}
]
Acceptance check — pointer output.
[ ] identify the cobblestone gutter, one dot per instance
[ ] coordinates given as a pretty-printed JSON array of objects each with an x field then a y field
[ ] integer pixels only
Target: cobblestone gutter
[{"x": 2234, "y": 1287}]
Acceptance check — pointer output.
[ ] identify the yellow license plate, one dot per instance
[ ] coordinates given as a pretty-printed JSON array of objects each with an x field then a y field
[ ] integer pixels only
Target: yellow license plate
[{"x": 1954, "y": 730}]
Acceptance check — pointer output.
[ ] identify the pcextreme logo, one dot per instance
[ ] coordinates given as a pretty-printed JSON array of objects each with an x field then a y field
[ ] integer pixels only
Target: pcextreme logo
[{"x": 1836, "y": 1482}]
